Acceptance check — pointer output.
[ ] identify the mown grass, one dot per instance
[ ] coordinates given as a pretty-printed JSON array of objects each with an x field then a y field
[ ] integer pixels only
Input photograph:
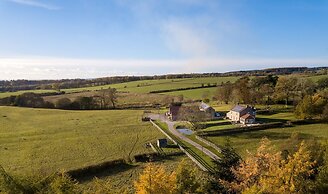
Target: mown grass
[
  {"x": 195, "y": 94},
  {"x": 250, "y": 140},
  {"x": 36, "y": 141},
  {"x": 277, "y": 117}
]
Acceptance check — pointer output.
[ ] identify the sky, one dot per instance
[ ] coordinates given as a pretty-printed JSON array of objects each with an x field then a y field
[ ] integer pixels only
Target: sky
[{"x": 55, "y": 39}]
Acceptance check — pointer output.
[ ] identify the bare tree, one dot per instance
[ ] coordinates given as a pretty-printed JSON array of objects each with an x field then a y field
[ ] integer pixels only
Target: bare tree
[{"x": 107, "y": 97}]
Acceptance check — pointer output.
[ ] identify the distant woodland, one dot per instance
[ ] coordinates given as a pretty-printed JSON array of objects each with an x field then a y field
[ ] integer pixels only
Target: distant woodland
[{"x": 16, "y": 85}]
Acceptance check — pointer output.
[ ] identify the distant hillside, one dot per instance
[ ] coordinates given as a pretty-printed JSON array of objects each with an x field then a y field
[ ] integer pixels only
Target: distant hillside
[{"x": 16, "y": 85}]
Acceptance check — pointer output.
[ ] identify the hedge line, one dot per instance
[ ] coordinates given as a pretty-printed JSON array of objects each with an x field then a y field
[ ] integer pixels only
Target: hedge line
[
  {"x": 180, "y": 89},
  {"x": 259, "y": 127},
  {"x": 241, "y": 129}
]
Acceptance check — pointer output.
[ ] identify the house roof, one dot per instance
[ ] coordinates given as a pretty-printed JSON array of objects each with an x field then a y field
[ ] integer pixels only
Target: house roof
[
  {"x": 238, "y": 108},
  {"x": 247, "y": 116},
  {"x": 204, "y": 106}
]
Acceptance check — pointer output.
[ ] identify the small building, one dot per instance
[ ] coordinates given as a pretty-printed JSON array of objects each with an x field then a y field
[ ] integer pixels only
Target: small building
[
  {"x": 238, "y": 111},
  {"x": 162, "y": 143},
  {"x": 208, "y": 110},
  {"x": 247, "y": 119}
]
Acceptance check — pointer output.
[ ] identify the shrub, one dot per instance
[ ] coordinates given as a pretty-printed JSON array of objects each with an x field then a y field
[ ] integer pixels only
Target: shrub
[{"x": 63, "y": 103}]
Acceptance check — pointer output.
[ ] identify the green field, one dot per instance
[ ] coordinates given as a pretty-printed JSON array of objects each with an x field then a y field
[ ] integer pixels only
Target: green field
[
  {"x": 145, "y": 86},
  {"x": 123, "y": 98},
  {"x": 43, "y": 141},
  {"x": 7, "y": 94},
  {"x": 250, "y": 140},
  {"x": 317, "y": 77},
  {"x": 194, "y": 93}
]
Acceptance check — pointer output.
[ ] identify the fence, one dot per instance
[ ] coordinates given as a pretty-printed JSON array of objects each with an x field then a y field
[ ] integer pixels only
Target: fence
[
  {"x": 201, "y": 165},
  {"x": 209, "y": 143},
  {"x": 241, "y": 129}
]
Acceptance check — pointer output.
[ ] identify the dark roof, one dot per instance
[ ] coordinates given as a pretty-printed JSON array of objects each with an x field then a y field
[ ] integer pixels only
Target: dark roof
[
  {"x": 247, "y": 116},
  {"x": 174, "y": 110},
  {"x": 238, "y": 108}
]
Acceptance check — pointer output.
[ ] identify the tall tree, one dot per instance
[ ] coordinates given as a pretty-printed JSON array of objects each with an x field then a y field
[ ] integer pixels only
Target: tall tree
[
  {"x": 305, "y": 108},
  {"x": 107, "y": 97},
  {"x": 286, "y": 88},
  {"x": 229, "y": 159},
  {"x": 223, "y": 92},
  {"x": 242, "y": 86},
  {"x": 155, "y": 179}
]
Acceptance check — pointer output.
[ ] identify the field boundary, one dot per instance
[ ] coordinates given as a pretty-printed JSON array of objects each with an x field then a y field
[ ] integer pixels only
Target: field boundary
[
  {"x": 161, "y": 130},
  {"x": 181, "y": 89},
  {"x": 208, "y": 143},
  {"x": 197, "y": 162},
  {"x": 258, "y": 127},
  {"x": 241, "y": 129}
]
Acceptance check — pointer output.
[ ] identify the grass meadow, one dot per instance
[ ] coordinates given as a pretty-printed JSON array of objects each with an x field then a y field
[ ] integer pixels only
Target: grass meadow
[
  {"x": 145, "y": 86},
  {"x": 250, "y": 140},
  {"x": 36, "y": 141}
]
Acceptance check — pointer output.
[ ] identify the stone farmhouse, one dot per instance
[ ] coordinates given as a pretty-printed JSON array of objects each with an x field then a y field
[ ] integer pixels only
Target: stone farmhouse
[{"x": 242, "y": 114}]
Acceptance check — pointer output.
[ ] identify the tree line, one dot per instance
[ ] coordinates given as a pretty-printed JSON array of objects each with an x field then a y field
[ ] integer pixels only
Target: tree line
[
  {"x": 104, "y": 99},
  {"x": 271, "y": 89},
  {"x": 16, "y": 85}
]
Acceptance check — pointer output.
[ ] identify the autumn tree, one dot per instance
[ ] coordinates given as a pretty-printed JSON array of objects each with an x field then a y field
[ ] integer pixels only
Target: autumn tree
[
  {"x": 266, "y": 171},
  {"x": 286, "y": 88},
  {"x": 56, "y": 86},
  {"x": 321, "y": 182},
  {"x": 224, "y": 92},
  {"x": 249, "y": 171},
  {"x": 305, "y": 108},
  {"x": 305, "y": 87},
  {"x": 291, "y": 175},
  {"x": 155, "y": 180},
  {"x": 242, "y": 89},
  {"x": 187, "y": 179}
]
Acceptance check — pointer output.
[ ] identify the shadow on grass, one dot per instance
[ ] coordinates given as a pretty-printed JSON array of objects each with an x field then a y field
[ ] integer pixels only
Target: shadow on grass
[
  {"x": 270, "y": 120},
  {"x": 270, "y": 135},
  {"x": 104, "y": 172},
  {"x": 207, "y": 125}
]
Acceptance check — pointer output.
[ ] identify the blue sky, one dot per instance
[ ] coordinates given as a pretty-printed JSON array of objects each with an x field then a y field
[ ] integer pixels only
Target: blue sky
[{"x": 53, "y": 39}]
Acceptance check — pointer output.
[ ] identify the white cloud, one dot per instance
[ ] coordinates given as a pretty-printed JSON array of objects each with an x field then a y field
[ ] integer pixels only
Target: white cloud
[
  {"x": 186, "y": 38},
  {"x": 58, "y": 68},
  {"x": 35, "y": 3}
]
